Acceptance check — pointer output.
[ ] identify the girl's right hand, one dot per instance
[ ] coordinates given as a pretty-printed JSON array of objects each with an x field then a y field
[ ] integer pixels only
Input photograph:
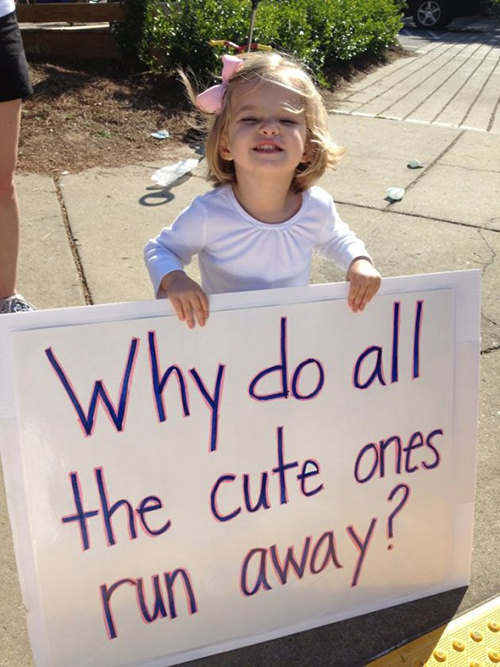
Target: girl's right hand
[{"x": 188, "y": 299}]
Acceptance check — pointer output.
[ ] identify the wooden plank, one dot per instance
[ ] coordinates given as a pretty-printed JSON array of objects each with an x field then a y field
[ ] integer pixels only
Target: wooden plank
[
  {"x": 75, "y": 12},
  {"x": 81, "y": 45}
]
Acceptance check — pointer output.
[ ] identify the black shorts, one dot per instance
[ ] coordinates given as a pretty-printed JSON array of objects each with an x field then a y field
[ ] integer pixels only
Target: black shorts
[{"x": 14, "y": 75}]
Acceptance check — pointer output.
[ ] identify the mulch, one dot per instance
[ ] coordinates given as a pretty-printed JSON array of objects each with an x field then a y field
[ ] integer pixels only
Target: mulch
[{"x": 88, "y": 115}]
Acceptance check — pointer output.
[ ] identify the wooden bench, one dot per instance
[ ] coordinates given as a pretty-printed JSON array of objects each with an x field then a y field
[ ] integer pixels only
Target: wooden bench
[{"x": 70, "y": 29}]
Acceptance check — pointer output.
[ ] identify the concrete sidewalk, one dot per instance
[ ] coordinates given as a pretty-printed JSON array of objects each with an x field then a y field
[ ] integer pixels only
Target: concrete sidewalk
[{"x": 83, "y": 236}]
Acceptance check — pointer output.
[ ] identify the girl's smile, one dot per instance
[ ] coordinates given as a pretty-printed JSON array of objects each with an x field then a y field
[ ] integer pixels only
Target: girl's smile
[{"x": 267, "y": 148}]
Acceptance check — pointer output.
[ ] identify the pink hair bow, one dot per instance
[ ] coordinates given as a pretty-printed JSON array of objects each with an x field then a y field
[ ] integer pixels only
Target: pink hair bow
[{"x": 210, "y": 100}]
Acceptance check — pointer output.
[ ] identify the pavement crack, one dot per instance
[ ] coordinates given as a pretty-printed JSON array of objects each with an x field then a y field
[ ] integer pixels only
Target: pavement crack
[
  {"x": 73, "y": 244},
  {"x": 485, "y": 266},
  {"x": 492, "y": 252},
  {"x": 466, "y": 168},
  {"x": 423, "y": 172},
  {"x": 489, "y": 350},
  {"x": 390, "y": 208},
  {"x": 488, "y": 319}
]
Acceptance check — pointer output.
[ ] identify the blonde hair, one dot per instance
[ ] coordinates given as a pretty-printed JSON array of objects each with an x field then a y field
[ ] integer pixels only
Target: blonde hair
[{"x": 284, "y": 71}]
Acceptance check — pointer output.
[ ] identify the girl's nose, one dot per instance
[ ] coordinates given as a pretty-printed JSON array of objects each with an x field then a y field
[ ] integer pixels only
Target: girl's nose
[{"x": 269, "y": 128}]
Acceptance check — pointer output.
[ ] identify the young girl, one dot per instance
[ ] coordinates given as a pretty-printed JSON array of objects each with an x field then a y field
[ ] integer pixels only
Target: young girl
[{"x": 257, "y": 229}]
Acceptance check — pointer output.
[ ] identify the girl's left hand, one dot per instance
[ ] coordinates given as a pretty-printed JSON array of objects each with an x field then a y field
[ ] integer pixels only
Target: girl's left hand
[{"x": 365, "y": 281}]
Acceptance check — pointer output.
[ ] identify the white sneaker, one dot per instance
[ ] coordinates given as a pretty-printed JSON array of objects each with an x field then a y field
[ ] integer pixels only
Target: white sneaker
[{"x": 15, "y": 304}]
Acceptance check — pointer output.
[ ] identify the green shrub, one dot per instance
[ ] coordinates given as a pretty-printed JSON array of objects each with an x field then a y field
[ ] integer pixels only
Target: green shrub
[
  {"x": 318, "y": 32},
  {"x": 131, "y": 34}
]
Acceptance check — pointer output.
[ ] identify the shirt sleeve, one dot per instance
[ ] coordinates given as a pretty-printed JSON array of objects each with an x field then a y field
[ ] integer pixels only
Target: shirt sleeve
[
  {"x": 175, "y": 246},
  {"x": 338, "y": 242}
]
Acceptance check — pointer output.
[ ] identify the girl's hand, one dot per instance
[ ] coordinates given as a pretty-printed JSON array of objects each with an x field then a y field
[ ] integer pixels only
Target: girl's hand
[
  {"x": 365, "y": 281},
  {"x": 188, "y": 299}
]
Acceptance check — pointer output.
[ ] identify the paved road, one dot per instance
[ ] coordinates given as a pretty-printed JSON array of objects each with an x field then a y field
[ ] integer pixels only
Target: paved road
[{"x": 450, "y": 78}]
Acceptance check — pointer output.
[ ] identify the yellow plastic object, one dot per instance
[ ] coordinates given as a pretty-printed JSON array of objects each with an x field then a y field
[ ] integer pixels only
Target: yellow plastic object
[{"x": 471, "y": 640}]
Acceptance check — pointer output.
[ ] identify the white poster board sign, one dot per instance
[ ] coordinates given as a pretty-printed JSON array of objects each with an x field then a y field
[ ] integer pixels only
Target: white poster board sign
[{"x": 175, "y": 493}]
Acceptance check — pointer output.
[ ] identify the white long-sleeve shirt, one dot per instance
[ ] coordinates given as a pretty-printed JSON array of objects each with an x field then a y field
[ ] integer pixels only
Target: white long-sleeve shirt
[{"x": 236, "y": 252}]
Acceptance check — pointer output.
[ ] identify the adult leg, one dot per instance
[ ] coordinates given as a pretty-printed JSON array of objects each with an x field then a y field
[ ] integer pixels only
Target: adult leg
[{"x": 10, "y": 115}]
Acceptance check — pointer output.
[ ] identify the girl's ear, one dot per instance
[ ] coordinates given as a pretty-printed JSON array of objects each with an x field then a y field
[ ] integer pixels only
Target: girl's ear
[
  {"x": 224, "y": 150},
  {"x": 307, "y": 155}
]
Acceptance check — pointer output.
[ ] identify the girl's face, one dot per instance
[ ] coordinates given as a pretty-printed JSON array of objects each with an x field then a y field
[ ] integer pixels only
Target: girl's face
[{"x": 266, "y": 133}]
